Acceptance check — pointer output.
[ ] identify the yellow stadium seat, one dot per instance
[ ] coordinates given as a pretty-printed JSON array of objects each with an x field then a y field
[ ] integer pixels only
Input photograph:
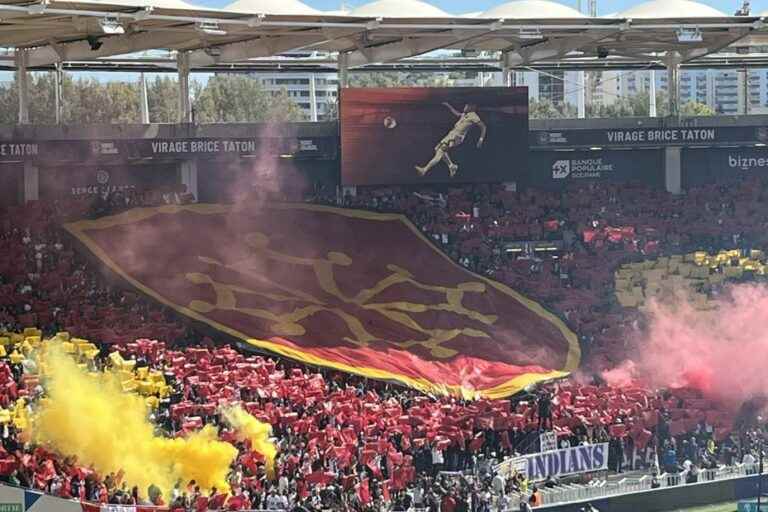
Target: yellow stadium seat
[
  {"x": 142, "y": 372},
  {"x": 32, "y": 331},
  {"x": 130, "y": 385},
  {"x": 147, "y": 388},
  {"x": 157, "y": 377},
  {"x": 63, "y": 335},
  {"x": 16, "y": 358},
  {"x": 69, "y": 348},
  {"x": 124, "y": 375},
  {"x": 700, "y": 273},
  {"x": 116, "y": 359},
  {"x": 627, "y": 300},
  {"x": 716, "y": 279},
  {"x": 623, "y": 284},
  {"x": 26, "y": 347},
  {"x": 5, "y": 416}
]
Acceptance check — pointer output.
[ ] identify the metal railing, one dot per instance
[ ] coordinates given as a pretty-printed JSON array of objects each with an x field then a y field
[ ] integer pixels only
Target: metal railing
[{"x": 602, "y": 489}]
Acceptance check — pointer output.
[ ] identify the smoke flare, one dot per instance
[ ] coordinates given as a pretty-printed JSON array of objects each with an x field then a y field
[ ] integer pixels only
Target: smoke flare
[
  {"x": 88, "y": 416},
  {"x": 257, "y": 432},
  {"x": 721, "y": 351}
]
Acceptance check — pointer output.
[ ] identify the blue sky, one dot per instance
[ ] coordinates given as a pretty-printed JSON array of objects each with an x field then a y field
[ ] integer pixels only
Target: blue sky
[{"x": 462, "y": 6}]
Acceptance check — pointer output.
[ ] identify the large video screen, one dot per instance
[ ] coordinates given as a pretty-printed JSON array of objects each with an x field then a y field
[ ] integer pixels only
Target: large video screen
[{"x": 433, "y": 135}]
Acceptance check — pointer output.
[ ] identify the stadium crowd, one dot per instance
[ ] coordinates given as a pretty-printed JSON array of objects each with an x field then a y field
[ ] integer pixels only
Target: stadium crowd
[
  {"x": 597, "y": 227},
  {"x": 347, "y": 443}
]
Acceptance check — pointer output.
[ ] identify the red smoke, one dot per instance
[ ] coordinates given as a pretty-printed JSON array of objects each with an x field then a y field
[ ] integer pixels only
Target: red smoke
[{"x": 722, "y": 352}]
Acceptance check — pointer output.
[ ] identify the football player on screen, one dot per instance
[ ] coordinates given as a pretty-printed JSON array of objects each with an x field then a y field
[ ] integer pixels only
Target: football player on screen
[{"x": 467, "y": 119}]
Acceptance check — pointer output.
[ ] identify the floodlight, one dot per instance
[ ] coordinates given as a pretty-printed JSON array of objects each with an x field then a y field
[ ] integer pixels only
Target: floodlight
[
  {"x": 110, "y": 25},
  {"x": 689, "y": 35},
  {"x": 210, "y": 28},
  {"x": 256, "y": 21},
  {"x": 144, "y": 13}
]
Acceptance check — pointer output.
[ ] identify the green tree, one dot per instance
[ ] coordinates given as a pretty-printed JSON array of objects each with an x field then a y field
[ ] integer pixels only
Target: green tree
[
  {"x": 637, "y": 105},
  {"x": 163, "y": 100},
  {"x": 696, "y": 109},
  {"x": 241, "y": 99},
  {"x": 399, "y": 79},
  {"x": 225, "y": 98},
  {"x": 545, "y": 109}
]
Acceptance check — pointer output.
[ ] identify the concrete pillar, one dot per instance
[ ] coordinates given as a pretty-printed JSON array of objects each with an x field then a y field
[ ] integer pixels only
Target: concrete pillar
[
  {"x": 343, "y": 70},
  {"x": 312, "y": 98},
  {"x": 189, "y": 176},
  {"x": 22, "y": 84},
  {"x": 673, "y": 169},
  {"x": 581, "y": 99},
  {"x": 58, "y": 84},
  {"x": 185, "y": 106},
  {"x": 652, "y": 95},
  {"x": 673, "y": 80},
  {"x": 31, "y": 182},
  {"x": 506, "y": 71}
]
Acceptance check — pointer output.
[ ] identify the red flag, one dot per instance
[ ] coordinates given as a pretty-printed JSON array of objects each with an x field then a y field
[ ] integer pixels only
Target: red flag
[
  {"x": 375, "y": 468},
  {"x": 363, "y": 492},
  {"x": 477, "y": 442},
  {"x": 217, "y": 501},
  {"x": 385, "y": 491},
  {"x": 495, "y": 371}
]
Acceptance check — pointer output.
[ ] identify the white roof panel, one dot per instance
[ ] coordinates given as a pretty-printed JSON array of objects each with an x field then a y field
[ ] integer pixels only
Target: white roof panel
[
  {"x": 289, "y": 7},
  {"x": 163, "y": 4},
  {"x": 671, "y": 9},
  {"x": 399, "y": 9},
  {"x": 532, "y": 9}
]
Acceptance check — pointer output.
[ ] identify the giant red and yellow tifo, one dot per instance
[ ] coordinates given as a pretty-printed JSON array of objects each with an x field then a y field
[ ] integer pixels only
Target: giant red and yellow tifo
[{"x": 357, "y": 291}]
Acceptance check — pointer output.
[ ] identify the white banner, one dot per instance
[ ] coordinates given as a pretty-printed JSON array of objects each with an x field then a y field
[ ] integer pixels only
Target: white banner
[
  {"x": 568, "y": 461},
  {"x": 548, "y": 441}
]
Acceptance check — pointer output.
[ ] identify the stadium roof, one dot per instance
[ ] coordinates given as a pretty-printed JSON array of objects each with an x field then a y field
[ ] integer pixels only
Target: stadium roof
[
  {"x": 671, "y": 9},
  {"x": 525, "y": 32},
  {"x": 398, "y": 8},
  {"x": 271, "y": 6},
  {"x": 522, "y": 9}
]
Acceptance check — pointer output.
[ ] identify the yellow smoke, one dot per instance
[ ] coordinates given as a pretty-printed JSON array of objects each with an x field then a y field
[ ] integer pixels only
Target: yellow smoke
[
  {"x": 88, "y": 415},
  {"x": 257, "y": 432}
]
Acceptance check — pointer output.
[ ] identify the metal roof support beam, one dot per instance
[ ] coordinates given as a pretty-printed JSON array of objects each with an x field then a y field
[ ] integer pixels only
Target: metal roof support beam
[
  {"x": 143, "y": 99},
  {"x": 185, "y": 105},
  {"x": 119, "y": 45},
  {"x": 22, "y": 84},
  {"x": 673, "y": 61}
]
